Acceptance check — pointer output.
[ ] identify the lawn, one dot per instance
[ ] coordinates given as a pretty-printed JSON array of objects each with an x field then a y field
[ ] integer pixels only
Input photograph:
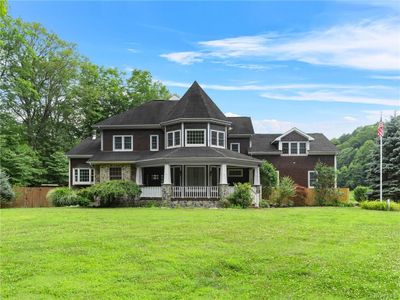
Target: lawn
[{"x": 142, "y": 253}]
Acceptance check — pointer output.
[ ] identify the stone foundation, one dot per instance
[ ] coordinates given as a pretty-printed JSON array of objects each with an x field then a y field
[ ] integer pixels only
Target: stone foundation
[{"x": 204, "y": 203}]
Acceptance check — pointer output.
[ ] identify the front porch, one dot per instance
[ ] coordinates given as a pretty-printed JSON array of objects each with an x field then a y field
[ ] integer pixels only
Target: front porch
[{"x": 195, "y": 182}]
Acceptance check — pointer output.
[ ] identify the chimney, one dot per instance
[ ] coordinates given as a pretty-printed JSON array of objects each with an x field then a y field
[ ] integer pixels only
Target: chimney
[{"x": 93, "y": 134}]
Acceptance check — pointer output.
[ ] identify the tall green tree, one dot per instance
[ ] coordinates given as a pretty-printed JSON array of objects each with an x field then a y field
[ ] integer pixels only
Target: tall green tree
[{"x": 390, "y": 165}]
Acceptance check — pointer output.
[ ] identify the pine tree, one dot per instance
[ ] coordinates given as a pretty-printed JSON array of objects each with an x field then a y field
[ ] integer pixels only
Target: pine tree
[{"x": 390, "y": 165}]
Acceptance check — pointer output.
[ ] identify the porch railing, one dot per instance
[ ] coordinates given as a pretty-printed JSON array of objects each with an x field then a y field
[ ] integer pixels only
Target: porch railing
[
  {"x": 151, "y": 192},
  {"x": 193, "y": 192}
]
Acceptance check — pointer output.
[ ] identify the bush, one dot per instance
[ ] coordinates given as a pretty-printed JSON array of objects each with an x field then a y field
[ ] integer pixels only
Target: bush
[
  {"x": 281, "y": 196},
  {"x": 325, "y": 192},
  {"x": 361, "y": 193},
  {"x": 377, "y": 205},
  {"x": 242, "y": 195},
  {"x": 300, "y": 197},
  {"x": 66, "y": 197},
  {"x": 112, "y": 193},
  {"x": 268, "y": 177},
  {"x": 264, "y": 204},
  {"x": 6, "y": 192},
  {"x": 224, "y": 203}
]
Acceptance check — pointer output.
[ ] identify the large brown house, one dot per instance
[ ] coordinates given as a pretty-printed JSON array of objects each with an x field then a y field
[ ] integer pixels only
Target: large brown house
[{"x": 188, "y": 149}]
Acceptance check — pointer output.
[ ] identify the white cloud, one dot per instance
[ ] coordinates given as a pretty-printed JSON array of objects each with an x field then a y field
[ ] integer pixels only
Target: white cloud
[
  {"x": 375, "y": 115},
  {"x": 329, "y": 96},
  {"x": 133, "y": 50},
  {"x": 372, "y": 45},
  {"x": 184, "y": 58},
  {"x": 272, "y": 126},
  {"x": 230, "y": 114},
  {"x": 386, "y": 77},
  {"x": 350, "y": 119}
]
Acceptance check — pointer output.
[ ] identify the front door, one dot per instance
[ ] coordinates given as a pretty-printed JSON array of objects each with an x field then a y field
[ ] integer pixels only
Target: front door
[{"x": 195, "y": 176}]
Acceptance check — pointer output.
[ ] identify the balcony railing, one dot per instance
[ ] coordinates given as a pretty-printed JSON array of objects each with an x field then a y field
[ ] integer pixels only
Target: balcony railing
[
  {"x": 151, "y": 192},
  {"x": 195, "y": 192}
]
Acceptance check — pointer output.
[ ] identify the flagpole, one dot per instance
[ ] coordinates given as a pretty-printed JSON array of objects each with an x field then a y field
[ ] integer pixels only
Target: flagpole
[{"x": 380, "y": 169}]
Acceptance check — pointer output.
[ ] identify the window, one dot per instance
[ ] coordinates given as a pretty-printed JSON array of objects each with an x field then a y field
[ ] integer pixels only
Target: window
[
  {"x": 153, "y": 142},
  {"x": 294, "y": 148},
  {"x": 122, "y": 143},
  {"x": 235, "y": 172},
  {"x": 303, "y": 149},
  {"x": 218, "y": 138},
  {"x": 173, "y": 139},
  {"x": 115, "y": 173},
  {"x": 312, "y": 178},
  {"x": 195, "y": 137},
  {"x": 83, "y": 176},
  {"x": 285, "y": 148},
  {"x": 235, "y": 147}
]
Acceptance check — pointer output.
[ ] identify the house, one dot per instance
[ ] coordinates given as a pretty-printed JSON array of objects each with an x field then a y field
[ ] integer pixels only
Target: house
[{"x": 188, "y": 149}]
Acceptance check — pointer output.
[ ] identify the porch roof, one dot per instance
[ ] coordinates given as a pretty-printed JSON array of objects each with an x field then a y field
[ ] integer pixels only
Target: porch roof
[{"x": 177, "y": 155}]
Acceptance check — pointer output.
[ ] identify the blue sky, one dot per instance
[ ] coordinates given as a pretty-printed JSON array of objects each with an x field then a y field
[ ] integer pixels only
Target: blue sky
[{"x": 320, "y": 66}]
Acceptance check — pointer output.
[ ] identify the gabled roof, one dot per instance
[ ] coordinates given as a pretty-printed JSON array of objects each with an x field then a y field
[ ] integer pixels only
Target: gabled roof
[
  {"x": 240, "y": 125},
  {"x": 196, "y": 104},
  {"x": 294, "y": 129},
  {"x": 87, "y": 147},
  {"x": 264, "y": 144},
  {"x": 149, "y": 113}
]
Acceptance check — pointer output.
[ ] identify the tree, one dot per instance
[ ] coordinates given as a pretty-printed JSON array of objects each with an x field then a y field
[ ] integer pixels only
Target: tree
[
  {"x": 269, "y": 178},
  {"x": 3, "y": 8},
  {"x": 390, "y": 165},
  {"x": 325, "y": 192},
  {"x": 57, "y": 168},
  {"x": 6, "y": 192}
]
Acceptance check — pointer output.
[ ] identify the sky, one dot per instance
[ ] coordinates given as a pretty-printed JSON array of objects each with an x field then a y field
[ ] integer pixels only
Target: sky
[{"x": 319, "y": 66}]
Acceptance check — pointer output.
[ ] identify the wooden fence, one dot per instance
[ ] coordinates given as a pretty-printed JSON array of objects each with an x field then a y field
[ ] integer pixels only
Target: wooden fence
[
  {"x": 344, "y": 196},
  {"x": 31, "y": 197}
]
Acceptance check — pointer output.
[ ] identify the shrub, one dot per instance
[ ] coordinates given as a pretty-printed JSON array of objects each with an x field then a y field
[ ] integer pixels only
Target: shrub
[
  {"x": 281, "y": 196},
  {"x": 377, "y": 205},
  {"x": 361, "y": 192},
  {"x": 268, "y": 177},
  {"x": 224, "y": 203},
  {"x": 300, "y": 197},
  {"x": 66, "y": 197},
  {"x": 242, "y": 195},
  {"x": 264, "y": 203},
  {"x": 112, "y": 193},
  {"x": 6, "y": 192},
  {"x": 325, "y": 192}
]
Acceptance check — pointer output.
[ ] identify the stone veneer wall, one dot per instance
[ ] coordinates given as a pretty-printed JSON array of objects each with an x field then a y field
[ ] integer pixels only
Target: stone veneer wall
[{"x": 126, "y": 172}]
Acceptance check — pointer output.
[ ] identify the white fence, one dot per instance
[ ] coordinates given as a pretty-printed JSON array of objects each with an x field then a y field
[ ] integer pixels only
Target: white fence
[
  {"x": 151, "y": 192},
  {"x": 193, "y": 192}
]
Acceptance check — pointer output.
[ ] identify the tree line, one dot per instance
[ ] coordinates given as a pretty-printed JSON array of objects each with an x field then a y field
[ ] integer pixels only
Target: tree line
[
  {"x": 358, "y": 159},
  {"x": 51, "y": 96}
]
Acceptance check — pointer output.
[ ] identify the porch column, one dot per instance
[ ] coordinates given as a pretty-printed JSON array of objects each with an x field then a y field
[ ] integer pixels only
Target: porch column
[
  {"x": 257, "y": 187},
  {"x": 139, "y": 176},
  {"x": 223, "y": 182},
  {"x": 167, "y": 186}
]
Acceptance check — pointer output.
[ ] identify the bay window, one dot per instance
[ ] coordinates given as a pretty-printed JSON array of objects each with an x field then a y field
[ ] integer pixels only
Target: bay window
[
  {"x": 218, "y": 138},
  {"x": 173, "y": 139},
  {"x": 196, "y": 137}
]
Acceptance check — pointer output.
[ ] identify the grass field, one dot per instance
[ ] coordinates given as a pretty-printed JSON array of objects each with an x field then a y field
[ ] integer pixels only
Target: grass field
[{"x": 197, "y": 253}]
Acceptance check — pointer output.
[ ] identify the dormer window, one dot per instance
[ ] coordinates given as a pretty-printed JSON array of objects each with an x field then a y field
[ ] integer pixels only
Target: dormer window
[
  {"x": 294, "y": 148},
  {"x": 122, "y": 143},
  {"x": 195, "y": 137},
  {"x": 173, "y": 139},
  {"x": 218, "y": 138}
]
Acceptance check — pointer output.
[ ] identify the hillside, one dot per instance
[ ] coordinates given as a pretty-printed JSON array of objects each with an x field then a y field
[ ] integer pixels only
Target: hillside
[{"x": 355, "y": 151}]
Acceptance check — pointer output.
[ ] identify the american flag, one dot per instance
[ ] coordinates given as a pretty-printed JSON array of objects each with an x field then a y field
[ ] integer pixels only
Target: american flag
[{"x": 380, "y": 129}]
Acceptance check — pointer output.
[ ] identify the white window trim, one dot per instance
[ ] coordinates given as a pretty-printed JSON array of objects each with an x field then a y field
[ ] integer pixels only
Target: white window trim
[
  {"x": 196, "y": 145},
  {"x": 309, "y": 172},
  {"x": 298, "y": 149},
  {"x": 218, "y": 132},
  {"x": 173, "y": 139},
  {"x": 123, "y": 143},
  {"x": 151, "y": 142},
  {"x": 235, "y": 144},
  {"x": 235, "y": 169},
  {"x": 79, "y": 182}
]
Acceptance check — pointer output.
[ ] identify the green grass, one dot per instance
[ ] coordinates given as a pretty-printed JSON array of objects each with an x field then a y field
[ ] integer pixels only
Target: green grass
[{"x": 317, "y": 253}]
